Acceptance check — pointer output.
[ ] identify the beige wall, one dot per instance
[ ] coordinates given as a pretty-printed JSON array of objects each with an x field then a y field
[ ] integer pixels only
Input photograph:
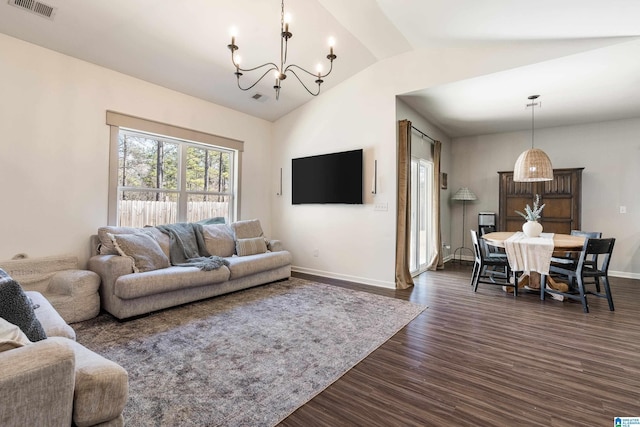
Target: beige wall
[
  {"x": 54, "y": 146},
  {"x": 357, "y": 243},
  {"x": 610, "y": 154},
  {"x": 54, "y": 150}
]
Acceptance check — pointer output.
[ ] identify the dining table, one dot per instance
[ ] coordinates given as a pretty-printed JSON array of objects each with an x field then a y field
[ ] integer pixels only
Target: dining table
[{"x": 532, "y": 255}]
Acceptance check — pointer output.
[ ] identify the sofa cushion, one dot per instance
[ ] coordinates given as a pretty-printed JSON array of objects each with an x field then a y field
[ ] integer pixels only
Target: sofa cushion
[
  {"x": 219, "y": 239},
  {"x": 11, "y": 336},
  {"x": 16, "y": 308},
  {"x": 168, "y": 279},
  {"x": 247, "y": 229},
  {"x": 251, "y": 264},
  {"x": 53, "y": 324},
  {"x": 143, "y": 249},
  {"x": 106, "y": 243},
  {"x": 255, "y": 245}
]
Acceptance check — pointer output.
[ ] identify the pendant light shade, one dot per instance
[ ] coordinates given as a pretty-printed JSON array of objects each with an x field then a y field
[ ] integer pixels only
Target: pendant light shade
[{"x": 534, "y": 164}]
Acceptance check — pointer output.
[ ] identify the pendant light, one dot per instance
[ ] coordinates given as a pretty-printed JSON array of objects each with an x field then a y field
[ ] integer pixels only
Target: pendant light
[{"x": 534, "y": 164}]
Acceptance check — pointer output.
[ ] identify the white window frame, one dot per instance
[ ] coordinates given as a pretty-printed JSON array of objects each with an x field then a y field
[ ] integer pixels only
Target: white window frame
[{"x": 185, "y": 137}]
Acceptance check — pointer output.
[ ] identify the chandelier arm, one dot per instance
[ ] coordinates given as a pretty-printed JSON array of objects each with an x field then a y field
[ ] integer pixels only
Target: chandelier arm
[
  {"x": 273, "y": 67},
  {"x": 302, "y": 83},
  {"x": 291, "y": 66},
  {"x": 257, "y": 81},
  {"x": 250, "y": 69}
]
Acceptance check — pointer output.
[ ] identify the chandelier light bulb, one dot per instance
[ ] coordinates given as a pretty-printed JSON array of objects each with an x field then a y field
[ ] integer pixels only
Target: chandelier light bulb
[
  {"x": 233, "y": 32},
  {"x": 276, "y": 74}
]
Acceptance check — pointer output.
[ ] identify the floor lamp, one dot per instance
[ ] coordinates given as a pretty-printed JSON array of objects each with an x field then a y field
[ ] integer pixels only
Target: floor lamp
[{"x": 464, "y": 195}]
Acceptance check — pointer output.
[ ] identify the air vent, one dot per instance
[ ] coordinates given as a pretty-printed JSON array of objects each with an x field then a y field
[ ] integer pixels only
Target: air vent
[
  {"x": 36, "y": 7},
  {"x": 259, "y": 97}
]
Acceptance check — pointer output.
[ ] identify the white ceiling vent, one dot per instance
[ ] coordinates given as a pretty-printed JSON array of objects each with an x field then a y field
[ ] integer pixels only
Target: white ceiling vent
[{"x": 36, "y": 7}]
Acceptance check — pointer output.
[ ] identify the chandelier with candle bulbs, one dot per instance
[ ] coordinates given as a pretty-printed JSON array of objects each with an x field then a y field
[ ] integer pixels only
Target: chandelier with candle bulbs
[{"x": 280, "y": 72}]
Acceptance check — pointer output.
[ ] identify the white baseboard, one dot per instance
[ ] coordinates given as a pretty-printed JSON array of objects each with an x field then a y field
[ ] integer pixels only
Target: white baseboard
[
  {"x": 345, "y": 277},
  {"x": 392, "y": 285},
  {"x": 624, "y": 274}
]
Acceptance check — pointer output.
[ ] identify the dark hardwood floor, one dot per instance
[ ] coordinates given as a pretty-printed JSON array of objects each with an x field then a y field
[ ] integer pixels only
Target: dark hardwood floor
[{"x": 487, "y": 359}]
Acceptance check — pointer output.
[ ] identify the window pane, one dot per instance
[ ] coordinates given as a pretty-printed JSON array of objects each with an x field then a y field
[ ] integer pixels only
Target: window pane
[
  {"x": 204, "y": 206},
  {"x": 141, "y": 208},
  {"x": 146, "y": 162},
  {"x": 207, "y": 170}
]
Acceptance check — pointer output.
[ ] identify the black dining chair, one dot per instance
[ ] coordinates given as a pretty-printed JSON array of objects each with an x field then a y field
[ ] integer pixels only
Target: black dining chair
[
  {"x": 569, "y": 260},
  {"x": 577, "y": 274},
  {"x": 492, "y": 270}
]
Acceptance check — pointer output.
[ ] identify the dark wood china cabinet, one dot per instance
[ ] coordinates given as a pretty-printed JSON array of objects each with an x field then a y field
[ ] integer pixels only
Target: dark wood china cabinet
[{"x": 562, "y": 198}]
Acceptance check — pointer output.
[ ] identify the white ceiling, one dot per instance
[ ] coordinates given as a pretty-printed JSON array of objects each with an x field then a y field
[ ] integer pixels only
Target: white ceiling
[{"x": 182, "y": 45}]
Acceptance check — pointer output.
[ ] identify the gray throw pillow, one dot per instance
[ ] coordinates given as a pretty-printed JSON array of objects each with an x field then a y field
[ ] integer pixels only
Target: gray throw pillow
[
  {"x": 218, "y": 238},
  {"x": 247, "y": 229},
  {"x": 143, "y": 249},
  {"x": 106, "y": 243},
  {"x": 16, "y": 308},
  {"x": 252, "y": 246}
]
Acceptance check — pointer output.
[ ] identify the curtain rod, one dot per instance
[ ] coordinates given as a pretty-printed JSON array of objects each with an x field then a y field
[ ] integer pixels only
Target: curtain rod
[{"x": 422, "y": 133}]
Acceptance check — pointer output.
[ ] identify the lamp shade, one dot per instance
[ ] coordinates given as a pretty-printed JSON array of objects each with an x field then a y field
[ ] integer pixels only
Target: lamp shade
[
  {"x": 464, "y": 194},
  {"x": 533, "y": 165}
]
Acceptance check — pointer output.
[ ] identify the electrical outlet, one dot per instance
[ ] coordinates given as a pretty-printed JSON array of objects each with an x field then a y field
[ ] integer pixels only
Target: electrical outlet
[
  {"x": 381, "y": 206},
  {"x": 623, "y": 209}
]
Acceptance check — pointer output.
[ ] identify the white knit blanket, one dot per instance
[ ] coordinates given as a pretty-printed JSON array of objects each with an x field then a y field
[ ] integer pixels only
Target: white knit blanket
[{"x": 529, "y": 253}]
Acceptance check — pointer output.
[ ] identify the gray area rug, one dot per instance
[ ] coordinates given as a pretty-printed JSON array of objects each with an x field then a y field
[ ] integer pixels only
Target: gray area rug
[{"x": 245, "y": 359}]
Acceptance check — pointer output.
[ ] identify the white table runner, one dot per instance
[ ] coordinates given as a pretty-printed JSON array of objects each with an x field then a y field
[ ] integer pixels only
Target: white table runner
[{"x": 529, "y": 253}]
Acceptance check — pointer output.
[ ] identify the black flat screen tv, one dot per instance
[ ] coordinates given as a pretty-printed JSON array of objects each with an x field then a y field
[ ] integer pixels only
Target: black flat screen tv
[{"x": 327, "y": 178}]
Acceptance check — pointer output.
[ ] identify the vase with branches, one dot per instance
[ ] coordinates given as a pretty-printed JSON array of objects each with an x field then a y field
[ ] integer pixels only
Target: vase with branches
[{"x": 532, "y": 227}]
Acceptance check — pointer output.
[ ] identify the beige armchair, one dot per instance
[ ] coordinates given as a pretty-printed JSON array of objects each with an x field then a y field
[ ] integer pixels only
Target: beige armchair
[
  {"x": 71, "y": 291},
  {"x": 58, "y": 382}
]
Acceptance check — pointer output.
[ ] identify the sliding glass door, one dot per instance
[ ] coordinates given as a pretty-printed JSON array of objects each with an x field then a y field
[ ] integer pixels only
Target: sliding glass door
[{"x": 421, "y": 215}]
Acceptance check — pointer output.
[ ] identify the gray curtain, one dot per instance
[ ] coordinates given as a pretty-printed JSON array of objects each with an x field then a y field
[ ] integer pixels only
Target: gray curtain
[
  {"x": 437, "y": 263},
  {"x": 403, "y": 217}
]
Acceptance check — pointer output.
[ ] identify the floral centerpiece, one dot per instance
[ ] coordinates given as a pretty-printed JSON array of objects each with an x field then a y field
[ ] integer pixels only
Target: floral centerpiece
[{"x": 532, "y": 228}]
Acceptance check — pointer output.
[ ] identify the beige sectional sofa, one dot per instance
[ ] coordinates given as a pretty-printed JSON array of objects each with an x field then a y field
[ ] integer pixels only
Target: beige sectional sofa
[
  {"x": 137, "y": 278},
  {"x": 56, "y": 381}
]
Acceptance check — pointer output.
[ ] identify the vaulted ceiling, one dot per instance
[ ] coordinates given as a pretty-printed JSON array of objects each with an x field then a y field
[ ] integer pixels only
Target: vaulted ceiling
[{"x": 182, "y": 45}]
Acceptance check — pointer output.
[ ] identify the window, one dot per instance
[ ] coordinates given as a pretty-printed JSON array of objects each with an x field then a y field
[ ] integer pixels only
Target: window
[{"x": 160, "y": 179}]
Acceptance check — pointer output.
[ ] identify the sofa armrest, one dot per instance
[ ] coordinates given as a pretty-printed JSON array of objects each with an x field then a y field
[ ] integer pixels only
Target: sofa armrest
[
  {"x": 109, "y": 268},
  {"x": 74, "y": 293},
  {"x": 275, "y": 245},
  {"x": 37, "y": 383},
  {"x": 101, "y": 388},
  {"x": 74, "y": 283}
]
